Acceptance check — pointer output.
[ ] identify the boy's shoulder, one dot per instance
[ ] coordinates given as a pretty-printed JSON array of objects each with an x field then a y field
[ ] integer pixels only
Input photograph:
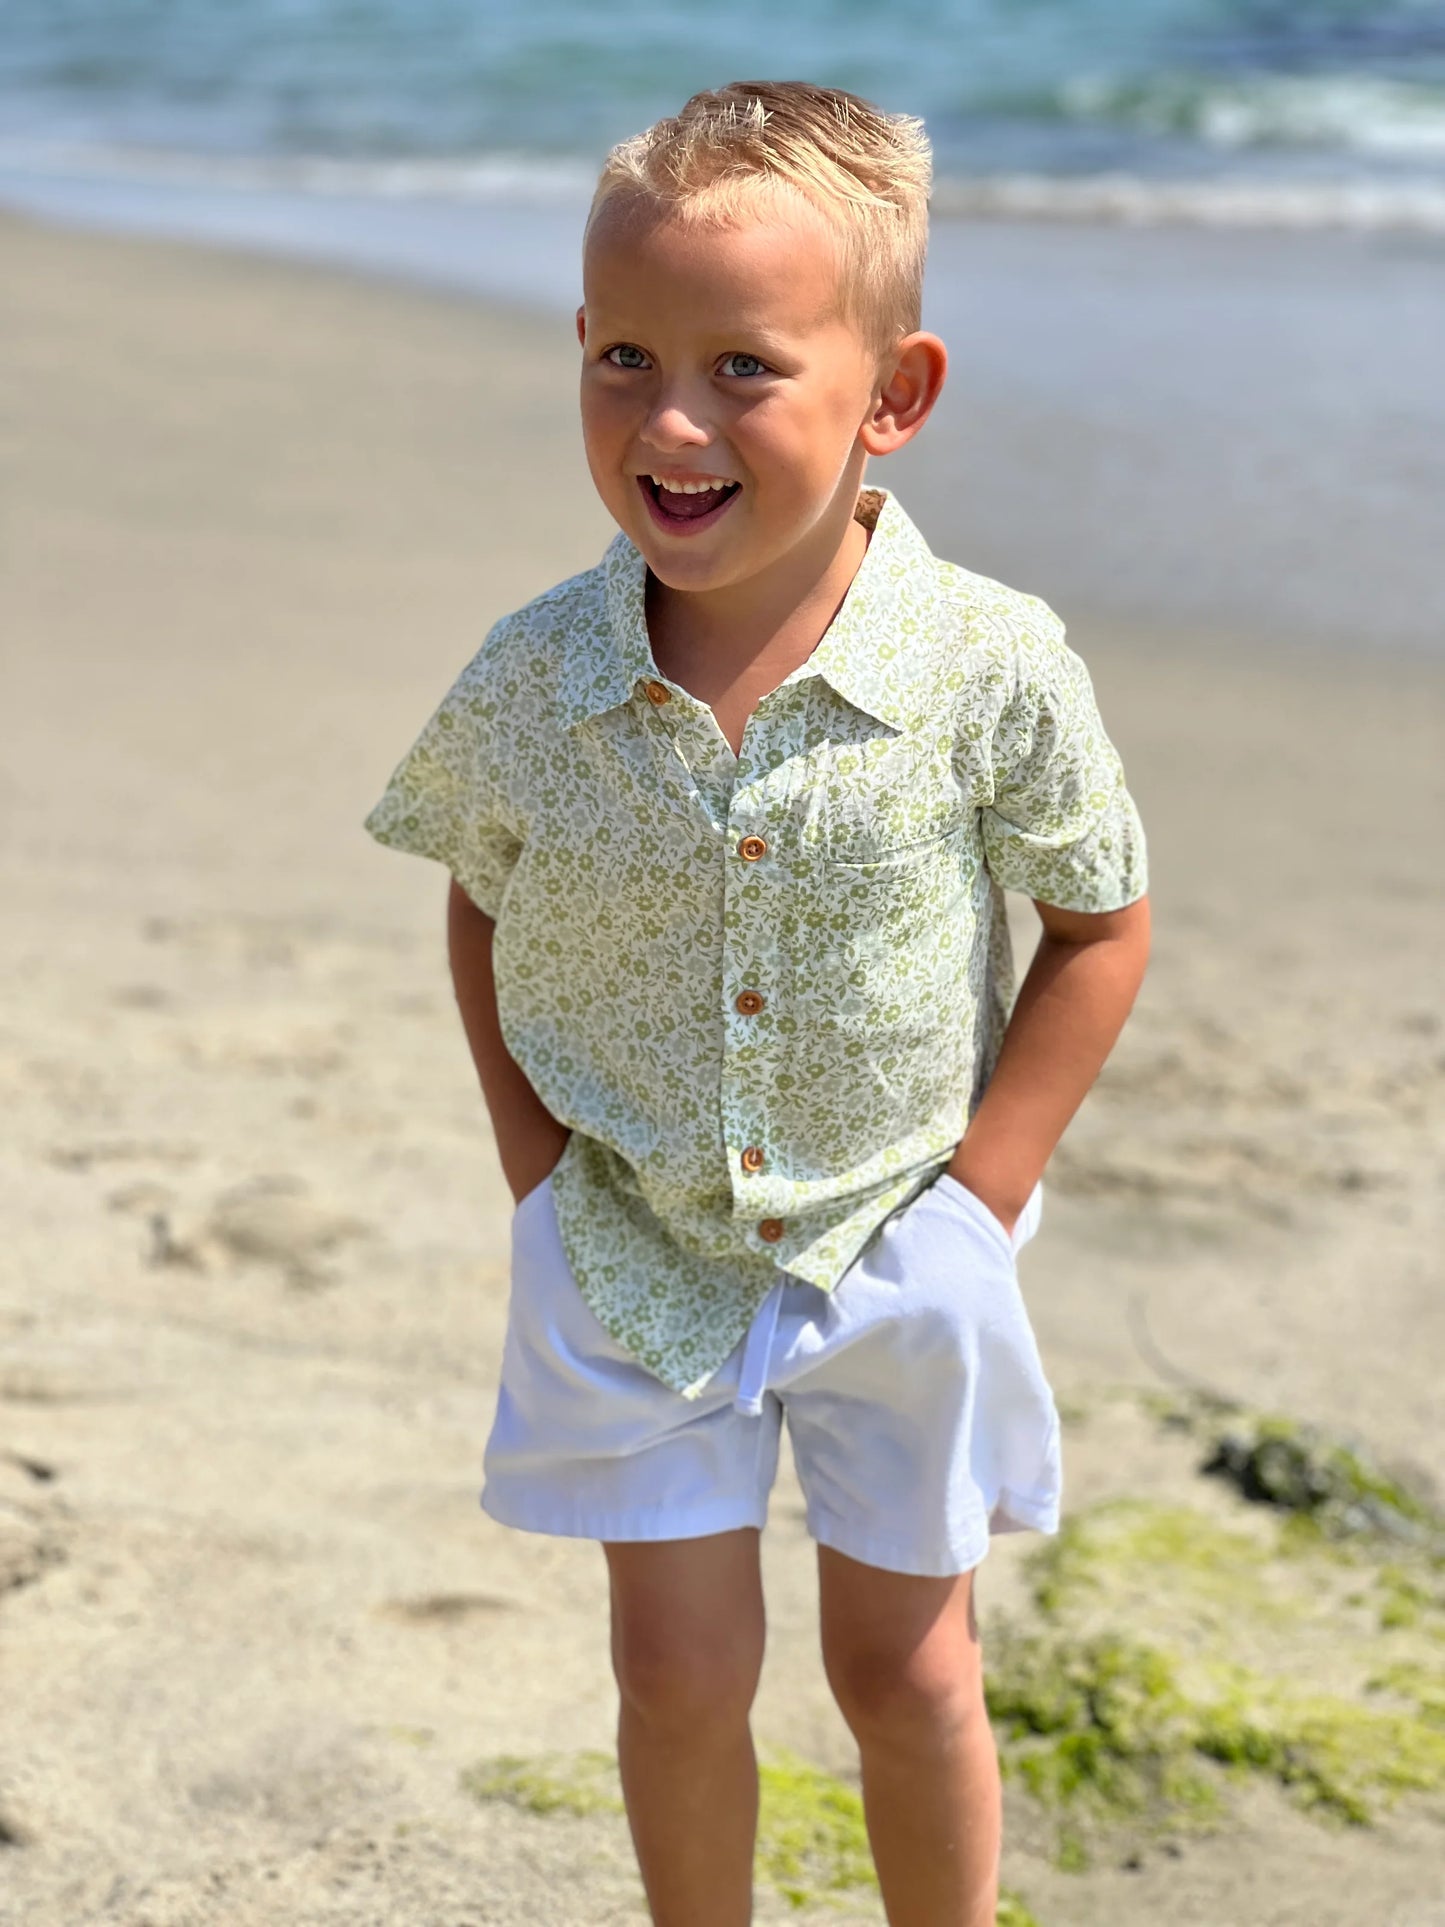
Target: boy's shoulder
[
  {"x": 993, "y": 615},
  {"x": 528, "y": 658},
  {"x": 987, "y": 650},
  {"x": 962, "y": 628},
  {"x": 1008, "y": 644},
  {"x": 570, "y": 613}
]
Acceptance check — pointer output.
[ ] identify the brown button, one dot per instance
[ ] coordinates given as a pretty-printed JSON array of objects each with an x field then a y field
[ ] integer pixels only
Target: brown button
[
  {"x": 752, "y": 1158},
  {"x": 751, "y": 848},
  {"x": 657, "y": 692},
  {"x": 770, "y": 1230},
  {"x": 749, "y": 1002}
]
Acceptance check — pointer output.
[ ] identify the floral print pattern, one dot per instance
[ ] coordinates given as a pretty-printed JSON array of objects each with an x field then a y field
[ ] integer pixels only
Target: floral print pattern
[{"x": 799, "y": 952}]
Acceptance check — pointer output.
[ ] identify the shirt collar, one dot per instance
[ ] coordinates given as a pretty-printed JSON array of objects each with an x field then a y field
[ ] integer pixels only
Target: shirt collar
[
  {"x": 606, "y": 659},
  {"x": 870, "y": 653},
  {"x": 875, "y": 652}
]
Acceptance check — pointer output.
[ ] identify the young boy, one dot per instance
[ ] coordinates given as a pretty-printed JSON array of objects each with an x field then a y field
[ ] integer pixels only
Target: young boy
[{"x": 729, "y": 820}]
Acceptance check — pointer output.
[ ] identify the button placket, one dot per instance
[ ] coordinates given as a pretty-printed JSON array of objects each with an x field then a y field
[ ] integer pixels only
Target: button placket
[
  {"x": 750, "y": 963},
  {"x": 693, "y": 751}
]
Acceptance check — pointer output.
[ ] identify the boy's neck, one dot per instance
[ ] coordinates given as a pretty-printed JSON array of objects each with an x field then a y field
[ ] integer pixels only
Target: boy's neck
[{"x": 731, "y": 647}]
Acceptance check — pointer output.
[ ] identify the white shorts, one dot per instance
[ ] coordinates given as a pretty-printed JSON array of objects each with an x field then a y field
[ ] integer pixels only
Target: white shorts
[{"x": 918, "y": 1411}]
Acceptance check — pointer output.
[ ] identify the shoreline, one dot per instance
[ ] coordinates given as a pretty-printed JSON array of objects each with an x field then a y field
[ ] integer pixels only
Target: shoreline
[{"x": 1265, "y": 192}]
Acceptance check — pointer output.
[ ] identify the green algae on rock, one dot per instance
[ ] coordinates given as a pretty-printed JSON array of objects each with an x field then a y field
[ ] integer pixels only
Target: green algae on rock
[
  {"x": 1338, "y": 1758},
  {"x": 812, "y": 1839},
  {"x": 1175, "y": 1636},
  {"x": 1107, "y": 1725},
  {"x": 1136, "y": 1731},
  {"x": 1408, "y": 1599},
  {"x": 1334, "y": 1480},
  {"x": 1212, "y": 1571},
  {"x": 1422, "y": 1685},
  {"x": 573, "y": 1783},
  {"x": 1098, "y": 1726},
  {"x": 1013, "y": 1913}
]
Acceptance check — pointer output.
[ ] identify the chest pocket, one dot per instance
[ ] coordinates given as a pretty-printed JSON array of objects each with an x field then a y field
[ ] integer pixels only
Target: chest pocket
[{"x": 888, "y": 798}]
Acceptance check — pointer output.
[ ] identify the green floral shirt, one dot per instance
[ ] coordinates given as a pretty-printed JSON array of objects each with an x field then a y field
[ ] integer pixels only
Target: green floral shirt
[{"x": 765, "y": 991}]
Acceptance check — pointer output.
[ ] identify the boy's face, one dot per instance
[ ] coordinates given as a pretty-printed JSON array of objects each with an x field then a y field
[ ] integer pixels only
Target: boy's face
[{"x": 716, "y": 355}]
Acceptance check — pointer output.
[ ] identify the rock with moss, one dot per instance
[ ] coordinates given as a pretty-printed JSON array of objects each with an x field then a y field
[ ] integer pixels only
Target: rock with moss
[
  {"x": 1422, "y": 1686},
  {"x": 1100, "y": 1733},
  {"x": 1108, "y": 1730},
  {"x": 1141, "y": 1554},
  {"x": 572, "y": 1783},
  {"x": 1013, "y": 1913},
  {"x": 1329, "y": 1478},
  {"x": 1341, "y": 1759},
  {"x": 812, "y": 1839}
]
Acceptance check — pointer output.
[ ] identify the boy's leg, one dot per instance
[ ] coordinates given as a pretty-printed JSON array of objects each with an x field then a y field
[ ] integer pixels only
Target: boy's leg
[
  {"x": 902, "y": 1656},
  {"x": 687, "y": 1648}
]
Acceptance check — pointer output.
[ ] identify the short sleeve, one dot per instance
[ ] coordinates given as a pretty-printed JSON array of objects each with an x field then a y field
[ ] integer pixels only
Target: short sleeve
[
  {"x": 1062, "y": 827},
  {"x": 444, "y": 797}
]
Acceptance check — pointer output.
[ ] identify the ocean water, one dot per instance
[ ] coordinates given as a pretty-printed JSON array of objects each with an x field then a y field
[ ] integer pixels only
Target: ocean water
[{"x": 1240, "y": 111}]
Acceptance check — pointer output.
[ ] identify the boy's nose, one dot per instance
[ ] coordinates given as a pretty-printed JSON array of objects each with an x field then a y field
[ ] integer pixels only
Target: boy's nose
[{"x": 672, "y": 425}]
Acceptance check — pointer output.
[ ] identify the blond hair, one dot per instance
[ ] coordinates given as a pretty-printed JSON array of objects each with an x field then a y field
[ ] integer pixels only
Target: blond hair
[{"x": 866, "y": 171}]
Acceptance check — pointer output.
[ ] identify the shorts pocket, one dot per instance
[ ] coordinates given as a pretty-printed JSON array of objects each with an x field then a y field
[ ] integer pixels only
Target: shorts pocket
[
  {"x": 960, "y": 1198},
  {"x": 524, "y": 1203},
  {"x": 527, "y": 1198}
]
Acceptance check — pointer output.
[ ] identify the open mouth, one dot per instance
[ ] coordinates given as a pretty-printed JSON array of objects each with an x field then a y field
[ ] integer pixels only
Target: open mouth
[{"x": 683, "y": 510}]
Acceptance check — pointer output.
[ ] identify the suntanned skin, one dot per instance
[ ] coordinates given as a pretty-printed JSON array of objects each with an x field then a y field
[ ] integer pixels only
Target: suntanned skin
[
  {"x": 721, "y": 352},
  {"x": 733, "y": 611}
]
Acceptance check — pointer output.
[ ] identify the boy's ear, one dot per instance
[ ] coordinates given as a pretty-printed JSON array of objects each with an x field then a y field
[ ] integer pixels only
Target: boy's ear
[
  {"x": 910, "y": 382},
  {"x": 582, "y": 326}
]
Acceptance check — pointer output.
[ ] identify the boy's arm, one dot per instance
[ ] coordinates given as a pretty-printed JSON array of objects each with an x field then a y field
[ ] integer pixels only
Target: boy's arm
[
  {"x": 1070, "y": 1008},
  {"x": 529, "y": 1139}
]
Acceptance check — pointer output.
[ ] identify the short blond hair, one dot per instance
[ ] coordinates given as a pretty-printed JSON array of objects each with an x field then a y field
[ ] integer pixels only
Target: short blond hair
[{"x": 867, "y": 172}]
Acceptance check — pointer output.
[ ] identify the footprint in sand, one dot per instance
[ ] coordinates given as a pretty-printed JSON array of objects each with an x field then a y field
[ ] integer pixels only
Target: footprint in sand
[
  {"x": 28, "y": 1544},
  {"x": 268, "y": 1220},
  {"x": 447, "y": 1608}
]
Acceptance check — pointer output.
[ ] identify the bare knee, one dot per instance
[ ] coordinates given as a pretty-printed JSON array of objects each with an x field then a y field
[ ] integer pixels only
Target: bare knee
[
  {"x": 901, "y": 1652},
  {"x": 687, "y": 1634},
  {"x": 886, "y": 1694},
  {"x": 671, "y": 1686}
]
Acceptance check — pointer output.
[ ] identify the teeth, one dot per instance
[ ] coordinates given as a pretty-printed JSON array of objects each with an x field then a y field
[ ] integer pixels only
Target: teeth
[{"x": 692, "y": 488}]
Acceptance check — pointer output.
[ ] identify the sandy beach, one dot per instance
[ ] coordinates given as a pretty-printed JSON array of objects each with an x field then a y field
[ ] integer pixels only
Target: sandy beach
[{"x": 254, "y": 1629}]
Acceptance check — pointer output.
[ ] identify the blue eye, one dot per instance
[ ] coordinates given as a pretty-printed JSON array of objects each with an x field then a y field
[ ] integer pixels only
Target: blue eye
[
  {"x": 624, "y": 355},
  {"x": 754, "y": 366}
]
